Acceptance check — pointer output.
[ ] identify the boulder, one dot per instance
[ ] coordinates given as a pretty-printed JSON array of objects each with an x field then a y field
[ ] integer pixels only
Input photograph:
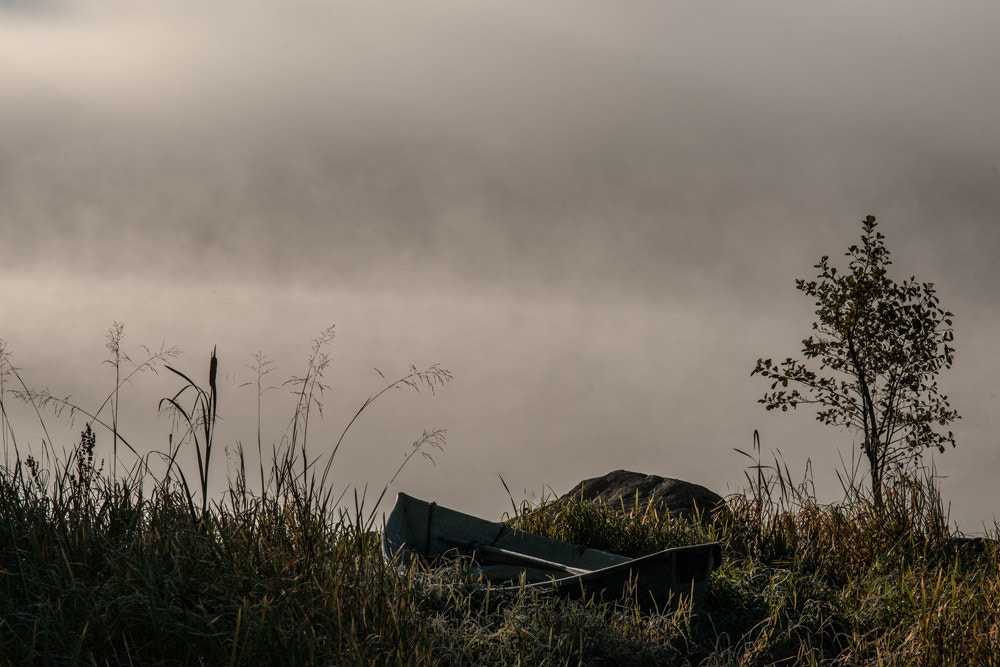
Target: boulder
[{"x": 665, "y": 494}]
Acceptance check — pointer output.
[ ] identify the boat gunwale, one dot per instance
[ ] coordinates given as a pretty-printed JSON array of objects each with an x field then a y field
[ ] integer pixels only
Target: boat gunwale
[{"x": 612, "y": 576}]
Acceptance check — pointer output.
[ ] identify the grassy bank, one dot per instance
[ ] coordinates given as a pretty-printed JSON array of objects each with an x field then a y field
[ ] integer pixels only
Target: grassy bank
[
  {"x": 98, "y": 572},
  {"x": 99, "y": 567}
]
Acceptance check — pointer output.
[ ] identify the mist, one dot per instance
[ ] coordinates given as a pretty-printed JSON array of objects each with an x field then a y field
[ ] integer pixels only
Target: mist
[{"x": 593, "y": 215}]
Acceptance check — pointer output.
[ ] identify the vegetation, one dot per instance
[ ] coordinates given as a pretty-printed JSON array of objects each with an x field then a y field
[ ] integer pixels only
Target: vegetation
[
  {"x": 98, "y": 568},
  {"x": 884, "y": 343}
]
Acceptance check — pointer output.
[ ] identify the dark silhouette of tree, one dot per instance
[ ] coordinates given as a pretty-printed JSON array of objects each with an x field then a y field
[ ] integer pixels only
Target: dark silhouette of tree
[{"x": 879, "y": 345}]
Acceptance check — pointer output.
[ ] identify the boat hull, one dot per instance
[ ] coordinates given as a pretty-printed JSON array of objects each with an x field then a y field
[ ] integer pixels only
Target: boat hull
[{"x": 509, "y": 559}]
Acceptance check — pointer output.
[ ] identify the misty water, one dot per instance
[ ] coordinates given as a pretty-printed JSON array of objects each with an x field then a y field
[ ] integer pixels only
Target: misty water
[
  {"x": 592, "y": 214},
  {"x": 546, "y": 391}
]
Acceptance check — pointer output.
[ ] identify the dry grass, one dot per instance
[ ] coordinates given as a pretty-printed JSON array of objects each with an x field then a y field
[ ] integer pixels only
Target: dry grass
[{"x": 105, "y": 567}]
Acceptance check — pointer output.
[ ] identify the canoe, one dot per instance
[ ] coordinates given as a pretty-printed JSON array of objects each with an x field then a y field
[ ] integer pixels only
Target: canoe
[{"x": 508, "y": 559}]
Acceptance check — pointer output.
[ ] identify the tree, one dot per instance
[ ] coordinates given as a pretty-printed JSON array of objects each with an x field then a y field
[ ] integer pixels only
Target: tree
[{"x": 881, "y": 345}]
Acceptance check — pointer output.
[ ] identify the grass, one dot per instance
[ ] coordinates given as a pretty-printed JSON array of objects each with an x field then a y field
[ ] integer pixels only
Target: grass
[{"x": 102, "y": 566}]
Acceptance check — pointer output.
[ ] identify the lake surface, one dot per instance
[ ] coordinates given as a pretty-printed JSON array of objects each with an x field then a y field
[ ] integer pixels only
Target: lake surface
[{"x": 547, "y": 391}]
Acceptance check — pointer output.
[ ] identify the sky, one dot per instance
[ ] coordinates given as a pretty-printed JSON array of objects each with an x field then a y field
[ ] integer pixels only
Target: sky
[{"x": 591, "y": 213}]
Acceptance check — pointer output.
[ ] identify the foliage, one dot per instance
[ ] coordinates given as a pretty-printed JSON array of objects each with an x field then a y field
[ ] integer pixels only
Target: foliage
[
  {"x": 883, "y": 344},
  {"x": 128, "y": 577}
]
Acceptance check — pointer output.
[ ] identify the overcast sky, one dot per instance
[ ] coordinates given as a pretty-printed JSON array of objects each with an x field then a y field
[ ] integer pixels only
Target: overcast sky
[{"x": 593, "y": 213}]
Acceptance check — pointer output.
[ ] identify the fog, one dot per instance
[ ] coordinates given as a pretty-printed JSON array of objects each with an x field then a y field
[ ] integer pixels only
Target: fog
[{"x": 593, "y": 215}]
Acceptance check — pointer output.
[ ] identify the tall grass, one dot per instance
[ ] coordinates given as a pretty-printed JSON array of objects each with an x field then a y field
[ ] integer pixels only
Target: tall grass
[{"x": 99, "y": 566}]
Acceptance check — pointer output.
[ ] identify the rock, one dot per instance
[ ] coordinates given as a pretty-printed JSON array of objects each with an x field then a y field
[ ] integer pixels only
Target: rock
[{"x": 666, "y": 494}]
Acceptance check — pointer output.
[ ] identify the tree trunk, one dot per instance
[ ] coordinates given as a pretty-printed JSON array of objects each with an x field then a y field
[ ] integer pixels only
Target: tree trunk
[
  {"x": 871, "y": 449},
  {"x": 871, "y": 432}
]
